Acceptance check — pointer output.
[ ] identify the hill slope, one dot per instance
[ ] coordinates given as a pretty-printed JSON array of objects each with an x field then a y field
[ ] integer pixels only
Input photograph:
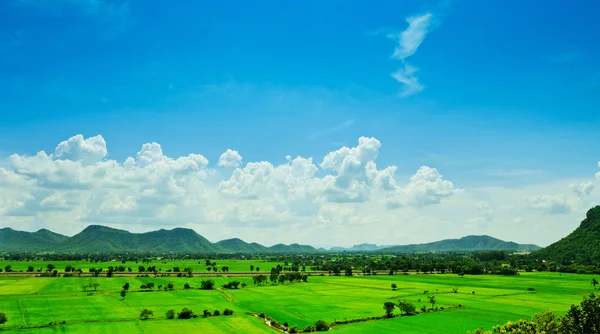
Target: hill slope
[
  {"x": 468, "y": 243},
  {"x": 95, "y": 238},
  {"x": 11, "y": 240},
  {"x": 582, "y": 245},
  {"x": 236, "y": 245}
]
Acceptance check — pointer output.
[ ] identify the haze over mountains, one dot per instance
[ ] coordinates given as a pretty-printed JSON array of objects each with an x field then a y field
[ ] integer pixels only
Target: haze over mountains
[{"x": 103, "y": 239}]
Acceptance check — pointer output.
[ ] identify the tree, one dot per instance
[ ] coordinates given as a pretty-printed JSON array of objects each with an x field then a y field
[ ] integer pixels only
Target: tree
[
  {"x": 406, "y": 307},
  {"x": 143, "y": 287},
  {"x": 30, "y": 269},
  {"x": 185, "y": 313},
  {"x": 257, "y": 269},
  {"x": 432, "y": 301},
  {"x": 170, "y": 314},
  {"x": 146, "y": 314},
  {"x": 583, "y": 318},
  {"x": 150, "y": 286},
  {"x": 348, "y": 271},
  {"x": 3, "y": 318},
  {"x": 594, "y": 282},
  {"x": 126, "y": 286},
  {"x": 321, "y": 326},
  {"x": 95, "y": 285},
  {"x": 50, "y": 267},
  {"x": 251, "y": 267},
  {"x": 389, "y": 308},
  {"x": 394, "y": 286},
  {"x": 216, "y": 313},
  {"x": 123, "y": 293},
  {"x": 8, "y": 268},
  {"x": 207, "y": 285}
]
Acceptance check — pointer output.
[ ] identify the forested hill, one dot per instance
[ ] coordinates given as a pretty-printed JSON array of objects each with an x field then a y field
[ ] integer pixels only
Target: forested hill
[
  {"x": 468, "y": 243},
  {"x": 11, "y": 240},
  {"x": 581, "y": 246},
  {"x": 103, "y": 239}
]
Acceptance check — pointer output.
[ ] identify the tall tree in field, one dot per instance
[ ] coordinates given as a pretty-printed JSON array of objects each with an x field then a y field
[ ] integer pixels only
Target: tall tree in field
[
  {"x": 389, "y": 308},
  {"x": 432, "y": 301},
  {"x": 251, "y": 267},
  {"x": 594, "y": 282},
  {"x": 123, "y": 293},
  {"x": 126, "y": 286},
  {"x": 394, "y": 286}
]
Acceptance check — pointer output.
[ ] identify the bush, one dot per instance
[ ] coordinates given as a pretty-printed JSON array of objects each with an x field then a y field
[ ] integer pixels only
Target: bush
[
  {"x": 206, "y": 313},
  {"x": 293, "y": 330},
  {"x": 146, "y": 314},
  {"x": 170, "y": 314},
  {"x": 309, "y": 328},
  {"x": 3, "y": 318},
  {"x": 230, "y": 312},
  {"x": 186, "y": 286},
  {"x": 321, "y": 326},
  {"x": 207, "y": 285},
  {"x": 216, "y": 313},
  {"x": 185, "y": 313},
  {"x": 262, "y": 315}
]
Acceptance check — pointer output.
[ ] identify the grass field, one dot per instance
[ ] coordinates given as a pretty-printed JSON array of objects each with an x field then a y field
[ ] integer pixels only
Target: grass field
[{"x": 30, "y": 302}]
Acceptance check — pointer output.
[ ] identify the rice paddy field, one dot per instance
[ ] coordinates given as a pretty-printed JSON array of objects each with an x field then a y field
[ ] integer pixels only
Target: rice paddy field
[{"x": 31, "y": 303}]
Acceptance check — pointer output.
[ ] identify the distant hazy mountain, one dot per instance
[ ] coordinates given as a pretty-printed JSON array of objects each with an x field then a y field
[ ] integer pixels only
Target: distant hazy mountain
[
  {"x": 293, "y": 248},
  {"x": 468, "y": 243},
  {"x": 358, "y": 248},
  {"x": 582, "y": 245},
  {"x": 11, "y": 240}
]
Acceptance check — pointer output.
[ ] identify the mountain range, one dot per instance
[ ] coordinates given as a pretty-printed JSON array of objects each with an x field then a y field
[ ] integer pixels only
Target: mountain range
[{"x": 103, "y": 239}]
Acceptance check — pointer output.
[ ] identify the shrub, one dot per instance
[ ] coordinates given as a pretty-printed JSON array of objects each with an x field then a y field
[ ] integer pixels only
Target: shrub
[
  {"x": 216, "y": 313},
  {"x": 170, "y": 314},
  {"x": 185, "y": 313},
  {"x": 230, "y": 312},
  {"x": 293, "y": 330},
  {"x": 321, "y": 326},
  {"x": 3, "y": 318},
  {"x": 207, "y": 285},
  {"x": 206, "y": 313}
]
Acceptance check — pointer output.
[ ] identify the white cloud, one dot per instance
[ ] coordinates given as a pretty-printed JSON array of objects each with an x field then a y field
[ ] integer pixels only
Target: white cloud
[
  {"x": 230, "y": 158},
  {"x": 298, "y": 200},
  {"x": 409, "y": 41},
  {"x": 88, "y": 151},
  {"x": 550, "y": 204},
  {"x": 583, "y": 189},
  {"x": 406, "y": 76},
  {"x": 598, "y": 174}
]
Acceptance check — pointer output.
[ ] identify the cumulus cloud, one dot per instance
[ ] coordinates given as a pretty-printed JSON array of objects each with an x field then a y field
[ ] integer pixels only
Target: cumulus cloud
[
  {"x": 583, "y": 189},
  {"x": 550, "y": 204},
  {"x": 88, "y": 151},
  {"x": 409, "y": 41},
  {"x": 79, "y": 183},
  {"x": 230, "y": 158}
]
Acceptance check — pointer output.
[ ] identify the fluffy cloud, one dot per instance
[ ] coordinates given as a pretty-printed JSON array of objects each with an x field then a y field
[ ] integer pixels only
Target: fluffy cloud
[
  {"x": 230, "y": 158},
  {"x": 551, "y": 204},
  {"x": 583, "y": 189},
  {"x": 79, "y": 184}
]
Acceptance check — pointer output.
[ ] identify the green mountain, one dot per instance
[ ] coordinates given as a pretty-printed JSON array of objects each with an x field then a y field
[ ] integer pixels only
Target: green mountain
[
  {"x": 293, "y": 248},
  {"x": 236, "y": 245},
  {"x": 464, "y": 244},
  {"x": 582, "y": 245},
  {"x": 11, "y": 240},
  {"x": 95, "y": 238}
]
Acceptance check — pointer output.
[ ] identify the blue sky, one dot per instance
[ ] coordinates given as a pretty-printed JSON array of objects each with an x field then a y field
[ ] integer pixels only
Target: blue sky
[{"x": 506, "y": 93}]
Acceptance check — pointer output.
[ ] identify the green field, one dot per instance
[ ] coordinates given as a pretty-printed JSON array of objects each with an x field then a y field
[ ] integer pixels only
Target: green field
[{"x": 30, "y": 302}]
